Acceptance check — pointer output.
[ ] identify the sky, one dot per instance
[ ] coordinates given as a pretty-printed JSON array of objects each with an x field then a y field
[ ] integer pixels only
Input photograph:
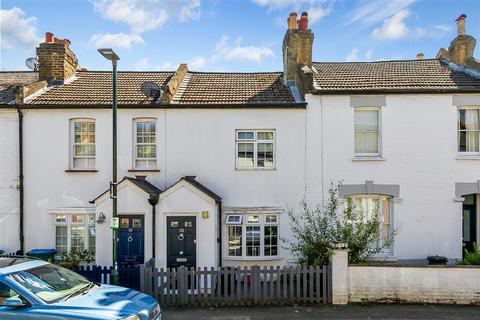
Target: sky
[{"x": 229, "y": 35}]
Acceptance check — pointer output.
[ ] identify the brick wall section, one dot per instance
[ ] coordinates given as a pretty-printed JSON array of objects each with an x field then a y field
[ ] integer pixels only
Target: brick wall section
[{"x": 56, "y": 61}]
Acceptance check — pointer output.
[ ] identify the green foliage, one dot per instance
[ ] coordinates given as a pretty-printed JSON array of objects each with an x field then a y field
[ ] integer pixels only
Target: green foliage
[
  {"x": 315, "y": 230},
  {"x": 472, "y": 258},
  {"x": 73, "y": 258}
]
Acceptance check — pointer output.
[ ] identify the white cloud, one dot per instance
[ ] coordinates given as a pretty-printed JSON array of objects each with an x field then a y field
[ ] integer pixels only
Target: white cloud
[
  {"x": 368, "y": 55},
  {"x": 196, "y": 63},
  {"x": 393, "y": 28},
  {"x": 371, "y": 12},
  {"x": 352, "y": 56},
  {"x": 142, "y": 65},
  {"x": 146, "y": 15},
  {"x": 443, "y": 27},
  {"x": 16, "y": 29},
  {"x": 316, "y": 8},
  {"x": 224, "y": 50},
  {"x": 420, "y": 32},
  {"x": 115, "y": 40}
]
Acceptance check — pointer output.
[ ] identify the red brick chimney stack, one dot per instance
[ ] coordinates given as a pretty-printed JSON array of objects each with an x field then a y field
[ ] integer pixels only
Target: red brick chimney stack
[{"x": 56, "y": 60}]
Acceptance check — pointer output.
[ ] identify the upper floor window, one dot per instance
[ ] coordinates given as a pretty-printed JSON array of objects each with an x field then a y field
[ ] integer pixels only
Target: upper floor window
[
  {"x": 368, "y": 206},
  {"x": 367, "y": 131},
  {"x": 83, "y": 144},
  {"x": 469, "y": 130},
  {"x": 255, "y": 149},
  {"x": 252, "y": 235},
  {"x": 145, "y": 144}
]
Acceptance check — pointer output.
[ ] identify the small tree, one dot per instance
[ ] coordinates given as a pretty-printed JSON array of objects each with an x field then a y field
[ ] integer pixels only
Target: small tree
[{"x": 315, "y": 231}]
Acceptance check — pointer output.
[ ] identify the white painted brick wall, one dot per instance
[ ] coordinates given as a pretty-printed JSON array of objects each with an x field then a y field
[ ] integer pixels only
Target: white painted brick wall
[{"x": 423, "y": 284}]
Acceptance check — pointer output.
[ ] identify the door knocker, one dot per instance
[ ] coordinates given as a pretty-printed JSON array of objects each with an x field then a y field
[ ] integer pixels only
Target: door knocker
[
  {"x": 130, "y": 238},
  {"x": 181, "y": 236}
]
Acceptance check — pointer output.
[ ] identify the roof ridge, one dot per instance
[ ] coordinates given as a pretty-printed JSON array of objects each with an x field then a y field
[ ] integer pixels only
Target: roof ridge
[
  {"x": 231, "y": 72},
  {"x": 377, "y": 61}
]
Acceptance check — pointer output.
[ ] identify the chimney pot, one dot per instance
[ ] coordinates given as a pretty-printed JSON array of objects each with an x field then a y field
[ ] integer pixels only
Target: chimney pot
[
  {"x": 303, "y": 21},
  {"x": 48, "y": 37},
  {"x": 292, "y": 21},
  {"x": 420, "y": 56},
  {"x": 461, "y": 24}
]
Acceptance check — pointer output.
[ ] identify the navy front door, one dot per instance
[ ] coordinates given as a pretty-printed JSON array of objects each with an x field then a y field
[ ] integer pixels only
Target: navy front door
[
  {"x": 181, "y": 242},
  {"x": 131, "y": 240},
  {"x": 469, "y": 231}
]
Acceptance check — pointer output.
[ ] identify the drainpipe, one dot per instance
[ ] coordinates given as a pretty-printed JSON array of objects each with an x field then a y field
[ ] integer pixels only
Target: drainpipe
[
  {"x": 20, "y": 177},
  {"x": 153, "y": 200},
  {"x": 219, "y": 239}
]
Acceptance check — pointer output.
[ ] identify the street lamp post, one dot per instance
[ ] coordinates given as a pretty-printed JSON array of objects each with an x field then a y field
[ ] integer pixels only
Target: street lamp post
[{"x": 109, "y": 54}]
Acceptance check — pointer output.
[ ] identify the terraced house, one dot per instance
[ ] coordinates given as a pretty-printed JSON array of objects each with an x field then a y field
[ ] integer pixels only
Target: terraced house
[{"x": 211, "y": 161}]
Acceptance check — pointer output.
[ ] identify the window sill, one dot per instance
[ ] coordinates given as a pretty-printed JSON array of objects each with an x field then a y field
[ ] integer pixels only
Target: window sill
[
  {"x": 468, "y": 157},
  {"x": 252, "y": 258},
  {"x": 373, "y": 158},
  {"x": 81, "y": 170},
  {"x": 143, "y": 170},
  {"x": 255, "y": 169}
]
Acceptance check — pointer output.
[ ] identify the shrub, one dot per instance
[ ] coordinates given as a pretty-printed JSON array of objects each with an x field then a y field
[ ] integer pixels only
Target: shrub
[
  {"x": 72, "y": 259},
  {"x": 472, "y": 258},
  {"x": 315, "y": 230}
]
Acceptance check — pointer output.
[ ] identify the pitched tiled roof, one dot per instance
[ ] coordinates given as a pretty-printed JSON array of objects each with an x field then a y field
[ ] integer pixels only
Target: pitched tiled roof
[
  {"x": 407, "y": 76},
  {"x": 10, "y": 79},
  {"x": 93, "y": 88},
  {"x": 235, "y": 88}
]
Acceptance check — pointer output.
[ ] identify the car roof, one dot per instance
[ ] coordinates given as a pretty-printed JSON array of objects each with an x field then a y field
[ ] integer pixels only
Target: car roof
[{"x": 14, "y": 264}]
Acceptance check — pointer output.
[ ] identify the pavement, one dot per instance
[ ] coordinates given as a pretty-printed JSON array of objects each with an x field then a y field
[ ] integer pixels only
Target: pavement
[{"x": 328, "y": 312}]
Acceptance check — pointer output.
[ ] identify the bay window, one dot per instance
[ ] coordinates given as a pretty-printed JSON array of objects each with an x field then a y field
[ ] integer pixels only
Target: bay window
[
  {"x": 468, "y": 126},
  {"x": 83, "y": 144},
  {"x": 145, "y": 144},
  {"x": 74, "y": 231},
  {"x": 255, "y": 149},
  {"x": 252, "y": 235},
  {"x": 367, "y": 131},
  {"x": 368, "y": 206}
]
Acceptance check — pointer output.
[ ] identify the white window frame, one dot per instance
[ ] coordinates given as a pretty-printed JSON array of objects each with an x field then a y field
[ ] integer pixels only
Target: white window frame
[
  {"x": 386, "y": 251},
  {"x": 87, "y": 223},
  {"x": 466, "y": 153},
  {"x": 377, "y": 154},
  {"x": 262, "y": 224},
  {"x": 152, "y": 161},
  {"x": 73, "y": 144},
  {"x": 255, "y": 142},
  {"x": 230, "y": 221}
]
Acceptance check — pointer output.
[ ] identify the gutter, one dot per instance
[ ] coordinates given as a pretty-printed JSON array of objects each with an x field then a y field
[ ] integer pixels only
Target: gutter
[
  {"x": 20, "y": 179},
  {"x": 293, "y": 105}
]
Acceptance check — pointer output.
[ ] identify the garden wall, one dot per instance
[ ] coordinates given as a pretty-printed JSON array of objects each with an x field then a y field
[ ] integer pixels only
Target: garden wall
[{"x": 404, "y": 283}]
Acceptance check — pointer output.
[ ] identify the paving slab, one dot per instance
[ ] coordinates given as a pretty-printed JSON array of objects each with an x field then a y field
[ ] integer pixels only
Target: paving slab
[{"x": 329, "y": 312}]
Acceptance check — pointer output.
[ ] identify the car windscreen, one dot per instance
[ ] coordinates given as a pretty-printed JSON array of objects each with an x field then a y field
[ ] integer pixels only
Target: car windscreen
[{"x": 49, "y": 282}]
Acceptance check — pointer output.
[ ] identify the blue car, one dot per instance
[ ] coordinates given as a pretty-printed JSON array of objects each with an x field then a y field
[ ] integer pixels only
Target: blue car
[{"x": 35, "y": 289}]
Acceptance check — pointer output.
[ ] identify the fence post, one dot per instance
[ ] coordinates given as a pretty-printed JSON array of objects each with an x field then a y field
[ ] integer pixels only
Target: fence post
[{"x": 339, "y": 273}]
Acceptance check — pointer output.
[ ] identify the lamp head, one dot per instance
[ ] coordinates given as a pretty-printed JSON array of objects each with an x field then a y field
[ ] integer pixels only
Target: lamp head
[{"x": 109, "y": 54}]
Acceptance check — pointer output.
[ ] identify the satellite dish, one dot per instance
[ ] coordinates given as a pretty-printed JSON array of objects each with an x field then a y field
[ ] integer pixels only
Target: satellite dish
[
  {"x": 150, "y": 89},
  {"x": 32, "y": 63}
]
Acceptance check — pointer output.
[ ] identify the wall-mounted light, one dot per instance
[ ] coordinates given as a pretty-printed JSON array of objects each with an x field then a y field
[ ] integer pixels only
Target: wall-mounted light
[
  {"x": 205, "y": 214},
  {"x": 101, "y": 218}
]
